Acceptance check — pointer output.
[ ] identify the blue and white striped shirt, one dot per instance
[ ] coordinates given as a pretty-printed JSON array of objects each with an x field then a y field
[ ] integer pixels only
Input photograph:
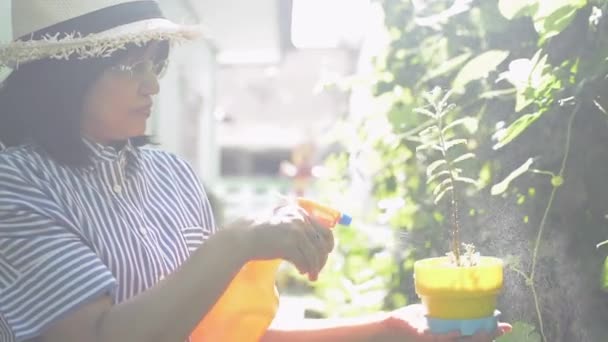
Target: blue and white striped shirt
[{"x": 69, "y": 236}]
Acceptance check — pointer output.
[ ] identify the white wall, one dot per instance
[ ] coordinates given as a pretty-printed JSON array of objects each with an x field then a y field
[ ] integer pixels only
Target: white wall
[
  {"x": 183, "y": 120},
  {"x": 5, "y": 28},
  {"x": 244, "y": 31}
]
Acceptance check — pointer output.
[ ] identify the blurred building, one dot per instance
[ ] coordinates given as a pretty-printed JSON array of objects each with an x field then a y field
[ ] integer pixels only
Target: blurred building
[
  {"x": 183, "y": 120},
  {"x": 272, "y": 57}
]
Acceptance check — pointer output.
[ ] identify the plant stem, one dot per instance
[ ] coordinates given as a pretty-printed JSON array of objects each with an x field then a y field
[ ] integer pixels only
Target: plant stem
[
  {"x": 456, "y": 230},
  {"x": 539, "y": 313},
  {"x": 553, "y": 191},
  {"x": 530, "y": 279},
  {"x": 530, "y": 283},
  {"x": 453, "y": 202}
]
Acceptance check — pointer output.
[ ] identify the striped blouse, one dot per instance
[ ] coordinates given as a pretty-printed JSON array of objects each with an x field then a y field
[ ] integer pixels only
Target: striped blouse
[{"x": 69, "y": 236}]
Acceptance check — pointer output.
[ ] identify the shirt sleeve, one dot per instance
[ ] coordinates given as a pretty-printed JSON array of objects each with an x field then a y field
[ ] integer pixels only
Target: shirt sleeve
[{"x": 46, "y": 268}]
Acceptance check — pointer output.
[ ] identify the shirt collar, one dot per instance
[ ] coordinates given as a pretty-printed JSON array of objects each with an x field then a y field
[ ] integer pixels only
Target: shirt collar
[{"x": 126, "y": 155}]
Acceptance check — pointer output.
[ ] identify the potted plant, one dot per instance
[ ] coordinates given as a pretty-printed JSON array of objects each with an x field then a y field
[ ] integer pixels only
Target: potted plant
[{"x": 459, "y": 290}]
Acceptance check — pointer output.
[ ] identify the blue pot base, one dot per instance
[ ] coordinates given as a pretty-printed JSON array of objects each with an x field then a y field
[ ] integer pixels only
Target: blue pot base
[{"x": 466, "y": 327}]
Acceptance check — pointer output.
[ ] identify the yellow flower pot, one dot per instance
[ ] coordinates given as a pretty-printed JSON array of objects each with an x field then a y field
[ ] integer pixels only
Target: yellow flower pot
[{"x": 462, "y": 293}]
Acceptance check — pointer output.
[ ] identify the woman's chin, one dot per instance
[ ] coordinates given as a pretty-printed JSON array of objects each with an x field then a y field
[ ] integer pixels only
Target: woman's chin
[
  {"x": 135, "y": 132},
  {"x": 139, "y": 128}
]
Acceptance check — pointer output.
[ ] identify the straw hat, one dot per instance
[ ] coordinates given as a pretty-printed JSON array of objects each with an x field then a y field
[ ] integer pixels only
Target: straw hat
[{"x": 63, "y": 29}]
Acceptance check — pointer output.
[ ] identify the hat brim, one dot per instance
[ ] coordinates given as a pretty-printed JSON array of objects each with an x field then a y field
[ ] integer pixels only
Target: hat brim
[{"x": 102, "y": 44}]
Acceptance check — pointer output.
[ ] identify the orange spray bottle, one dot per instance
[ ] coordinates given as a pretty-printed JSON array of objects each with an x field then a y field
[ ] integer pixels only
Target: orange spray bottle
[{"x": 248, "y": 305}]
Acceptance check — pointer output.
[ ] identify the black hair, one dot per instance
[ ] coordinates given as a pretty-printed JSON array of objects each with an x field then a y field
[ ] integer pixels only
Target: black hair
[{"x": 41, "y": 102}]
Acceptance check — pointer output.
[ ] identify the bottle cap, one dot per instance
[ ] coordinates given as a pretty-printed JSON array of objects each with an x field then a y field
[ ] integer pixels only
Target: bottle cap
[{"x": 345, "y": 220}]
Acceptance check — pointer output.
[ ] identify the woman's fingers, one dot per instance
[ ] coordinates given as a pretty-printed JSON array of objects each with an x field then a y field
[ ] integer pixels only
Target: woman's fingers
[
  {"x": 306, "y": 245},
  {"x": 324, "y": 243},
  {"x": 321, "y": 240},
  {"x": 301, "y": 259},
  {"x": 308, "y": 242},
  {"x": 326, "y": 236},
  {"x": 449, "y": 337}
]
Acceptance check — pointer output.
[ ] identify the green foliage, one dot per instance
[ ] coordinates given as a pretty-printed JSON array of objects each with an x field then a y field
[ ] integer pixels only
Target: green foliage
[
  {"x": 518, "y": 68},
  {"x": 478, "y": 67},
  {"x": 550, "y": 17},
  {"x": 501, "y": 187},
  {"x": 516, "y": 8}
]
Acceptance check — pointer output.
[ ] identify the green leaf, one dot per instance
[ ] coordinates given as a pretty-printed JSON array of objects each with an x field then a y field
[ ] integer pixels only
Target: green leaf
[
  {"x": 539, "y": 66},
  {"x": 446, "y": 183},
  {"x": 446, "y": 67},
  {"x": 511, "y": 9},
  {"x": 445, "y": 98},
  {"x": 432, "y": 96},
  {"x": 451, "y": 143},
  {"x": 464, "y": 157},
  {"x": 528, "y": 76},
  {"x": 466, "y": 121},
  {"x": 479, "y": 67},
  {"x": 466, "y": 180},
  {"x": 429, "y": 132},
  {"x": 522, "y": 100},
  {"x": 425, "y": 112},
  {"x": 522, "y": 332},
  {"x": 516, "y": 128},
  {"x": 498, "y": 93},
  {"x": 434, "y": 166},
  {"x": 428, "y": 145},
  {"x": 442, "y": 193},
  {"x": 437, "y": 175},
  {"x": 501, "y": 187},
  {"x": 554, "y": 16},
  {"x": 599, "y": 106}
]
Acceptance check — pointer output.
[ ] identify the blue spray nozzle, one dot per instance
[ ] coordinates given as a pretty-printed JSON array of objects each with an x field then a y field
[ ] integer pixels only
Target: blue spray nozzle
[{"x": 345, "y": 220}]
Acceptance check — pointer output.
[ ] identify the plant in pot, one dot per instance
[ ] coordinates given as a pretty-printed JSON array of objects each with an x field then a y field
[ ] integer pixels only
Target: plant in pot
[{"x": 459, "y": 290}]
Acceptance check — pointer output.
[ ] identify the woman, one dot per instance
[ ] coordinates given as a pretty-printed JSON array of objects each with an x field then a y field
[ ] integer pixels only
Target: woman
[{"x": 101, "y": 239}]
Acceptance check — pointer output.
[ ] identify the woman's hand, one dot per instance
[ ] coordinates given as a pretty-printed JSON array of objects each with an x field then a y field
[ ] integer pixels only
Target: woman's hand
[
  {"x": 287, "y": 233},
  {"x": 410, "y": 322}
]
